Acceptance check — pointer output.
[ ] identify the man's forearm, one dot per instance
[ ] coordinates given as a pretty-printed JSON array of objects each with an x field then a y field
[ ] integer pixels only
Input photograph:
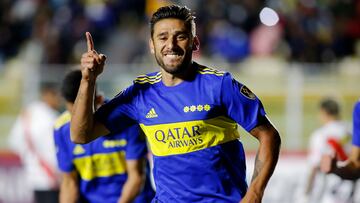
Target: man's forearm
[
  {"x": 131, "y": 189},
  {"x": 265, "y": 162},
  {"x": 69, "y": 191},
  {"x": 82, "y": 112},
  {"x": 134, "y": 182}
]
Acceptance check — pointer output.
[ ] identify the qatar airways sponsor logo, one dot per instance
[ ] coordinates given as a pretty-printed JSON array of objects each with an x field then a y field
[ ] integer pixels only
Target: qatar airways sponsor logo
[{"x": 179, "y": 137}]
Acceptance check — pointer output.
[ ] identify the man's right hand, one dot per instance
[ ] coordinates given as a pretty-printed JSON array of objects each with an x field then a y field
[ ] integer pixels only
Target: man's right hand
[{"x": 92, "y": 63}]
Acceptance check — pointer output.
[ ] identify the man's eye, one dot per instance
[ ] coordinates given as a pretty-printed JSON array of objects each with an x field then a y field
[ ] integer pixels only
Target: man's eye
[{"x": 181, "y": 37}]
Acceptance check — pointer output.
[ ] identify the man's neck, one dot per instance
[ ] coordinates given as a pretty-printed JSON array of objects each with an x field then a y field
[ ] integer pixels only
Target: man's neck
[
  {"x": 170, "y": 79},
  {"x": 331, "y": 120}
]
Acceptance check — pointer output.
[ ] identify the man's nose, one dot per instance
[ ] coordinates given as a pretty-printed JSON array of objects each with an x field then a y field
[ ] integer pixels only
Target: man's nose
[{"x": 171, "y": 43}]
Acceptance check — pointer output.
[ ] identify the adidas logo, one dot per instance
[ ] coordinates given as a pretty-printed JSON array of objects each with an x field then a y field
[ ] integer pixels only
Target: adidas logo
[
  {"x": 78, "y": 150},
  {"x": 151, "y": 114}
]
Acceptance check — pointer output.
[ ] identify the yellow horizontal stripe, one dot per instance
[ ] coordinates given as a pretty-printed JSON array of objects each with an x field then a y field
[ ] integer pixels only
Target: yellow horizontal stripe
[
  {"x": 145, "y": 77},
  {"x": 148, "y": 81},
  {"x": 149, "y": 78},
  {"x": 189, "y": 136},
  {"x": 101, "y": 165},
  {"x": 211, "y": 73},
  {"x": 204, "y": 70},
  {"x": 211, "y": 69},
  {"x": 145, "y": 81}
]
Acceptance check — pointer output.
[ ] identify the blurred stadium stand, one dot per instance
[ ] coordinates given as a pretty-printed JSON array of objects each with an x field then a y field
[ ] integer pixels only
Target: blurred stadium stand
[
  {"x": 230, "y": 30},
  {"x": 312, "y": 52}
]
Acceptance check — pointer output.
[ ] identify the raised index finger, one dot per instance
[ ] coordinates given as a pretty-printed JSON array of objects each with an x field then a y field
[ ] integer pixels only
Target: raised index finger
[{"x": 89, "y": 42}]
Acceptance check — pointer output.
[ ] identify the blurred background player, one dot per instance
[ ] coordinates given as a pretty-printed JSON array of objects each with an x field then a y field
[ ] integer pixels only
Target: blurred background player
[
  {"x": 351, "y": 168},
  {"x": 109, "y": 169},
  {"x": 31, "y": 138},
  {"x": 331, "y": 138}
]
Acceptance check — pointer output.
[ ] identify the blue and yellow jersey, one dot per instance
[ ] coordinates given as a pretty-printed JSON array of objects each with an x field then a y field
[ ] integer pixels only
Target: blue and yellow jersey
[
  {"x": 356, "y": 125},
  {"x": 192, "y": 131},
  {"x": 101, "y": 164}
]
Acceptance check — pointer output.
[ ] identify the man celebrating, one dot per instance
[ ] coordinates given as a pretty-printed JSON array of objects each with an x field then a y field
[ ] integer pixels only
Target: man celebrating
[{"x": 189, "y": 114}]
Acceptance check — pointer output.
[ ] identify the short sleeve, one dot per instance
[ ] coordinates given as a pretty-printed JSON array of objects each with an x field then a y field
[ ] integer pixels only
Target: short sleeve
[
  {"x": 63, "y": 149},
  {"x": 119, "y": 113},
  {"x": 356, "y": 125},
  {"x": 316, "y": 148},
  {"x": 241, "y": 104},
  {"x": 136, "y": 143}
]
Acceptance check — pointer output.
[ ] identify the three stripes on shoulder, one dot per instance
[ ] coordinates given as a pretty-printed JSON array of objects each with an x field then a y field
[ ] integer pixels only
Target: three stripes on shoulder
[{"x": 143, "y": 79}]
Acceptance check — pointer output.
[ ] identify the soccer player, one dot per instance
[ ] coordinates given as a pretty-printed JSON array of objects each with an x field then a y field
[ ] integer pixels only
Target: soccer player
[
  {"x": 331, "y": 138},
  {"x": 189, "y": 113},
  {"x": 31, "y": 137},
  {"x": 351, "y": 169},
  {"x": 109, "y": 169}
]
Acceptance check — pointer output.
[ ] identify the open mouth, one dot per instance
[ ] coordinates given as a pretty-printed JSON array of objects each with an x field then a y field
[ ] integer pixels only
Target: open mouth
[{"x": 173, "y": 56}]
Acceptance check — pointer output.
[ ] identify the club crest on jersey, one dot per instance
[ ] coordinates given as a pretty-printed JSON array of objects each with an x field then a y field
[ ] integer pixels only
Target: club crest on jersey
[{"x": 247, "y": 92}]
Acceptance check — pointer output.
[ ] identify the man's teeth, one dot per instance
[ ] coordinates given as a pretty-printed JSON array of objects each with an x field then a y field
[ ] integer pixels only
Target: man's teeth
[{"x": 172, "y": 55}]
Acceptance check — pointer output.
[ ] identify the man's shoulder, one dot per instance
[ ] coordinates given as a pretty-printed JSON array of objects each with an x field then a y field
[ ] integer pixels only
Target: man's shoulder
[
  {"x": 210, "y": 71},
  {"x": 62, "y": 120},
  {"x": 316, "y": 134},
  {"x": 333, "y": 129},
  {"x": 140, "y": 83},
  {"x": 150, "y": 78},
  {"x": 41, "y": 109}
]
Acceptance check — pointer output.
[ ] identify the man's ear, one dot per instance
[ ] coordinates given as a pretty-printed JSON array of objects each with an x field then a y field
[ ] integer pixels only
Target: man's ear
[
  {"x": 151, "y": 46},
  {"x": 196, "y": 44}
]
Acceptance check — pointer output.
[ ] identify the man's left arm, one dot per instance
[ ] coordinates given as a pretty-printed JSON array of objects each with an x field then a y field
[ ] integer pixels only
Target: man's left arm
[
  {"x": 134, "y": 182},
  {"x": 265, "y": 161},
  {"x": 69, "y": 188}
]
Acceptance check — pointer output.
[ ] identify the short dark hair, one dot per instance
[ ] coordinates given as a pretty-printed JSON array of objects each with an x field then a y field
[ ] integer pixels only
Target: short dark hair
[
  {"x": 174, "y": 11},
  {"x": 48, "y": 87},
  {"x": 330, "y": 106},
  {"x": 70, "y": 85}
]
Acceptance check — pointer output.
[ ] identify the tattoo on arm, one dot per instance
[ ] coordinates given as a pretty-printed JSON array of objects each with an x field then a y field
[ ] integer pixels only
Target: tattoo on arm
[{"x": 258, "y": 166}]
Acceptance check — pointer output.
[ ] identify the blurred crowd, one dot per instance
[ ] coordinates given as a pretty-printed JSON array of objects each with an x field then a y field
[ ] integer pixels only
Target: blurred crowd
[{"x": 229, "y": 30}]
